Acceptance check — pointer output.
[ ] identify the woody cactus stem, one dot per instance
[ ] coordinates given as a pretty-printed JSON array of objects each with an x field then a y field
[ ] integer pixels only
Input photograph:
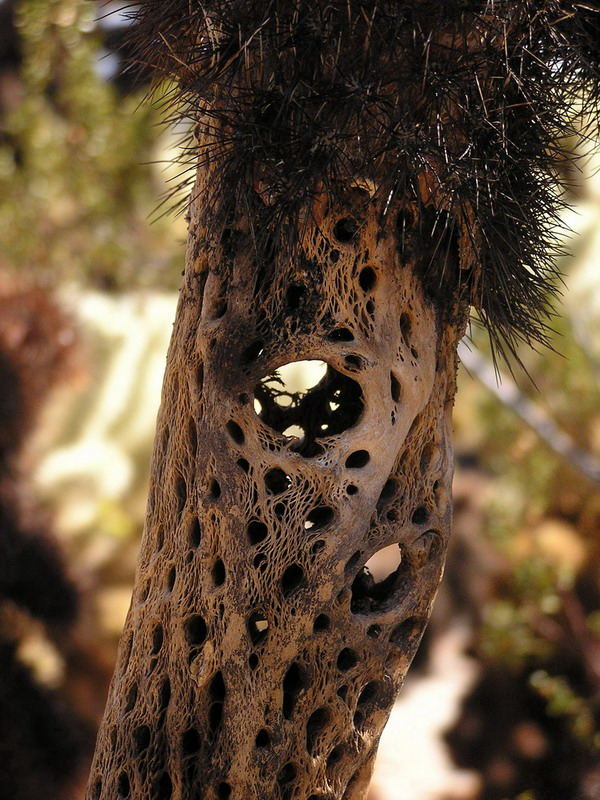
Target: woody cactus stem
[
  {"x": 259, "y": 658},
  {"x": 365, "y": 172}
]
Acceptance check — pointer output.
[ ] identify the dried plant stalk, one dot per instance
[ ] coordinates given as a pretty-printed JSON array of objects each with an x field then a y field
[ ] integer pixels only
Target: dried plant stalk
[{"x": 260, "y": 659}]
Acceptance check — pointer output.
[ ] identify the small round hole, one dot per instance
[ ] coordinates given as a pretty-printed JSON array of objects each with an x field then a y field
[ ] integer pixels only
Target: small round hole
[
  {"x": 141, "y": 738},
  {"x": 358, "y": 459},
  {"x": 195, "y": 630},
  {"x": 420, "y": 515},
  {"x": 367, "y": 279},
  {"x": 354, "y": 362},
  {"x": 252, "y": 352},
  {"x": 341, "y": 335},
  {"x": 321, "y": 623},
  {"x": 277, "y": 481},
  {"x": 345, "y": 229},
  {"x": 224, "y": 791},
  {"x": 294, "y": 296},
  {"x": 190, "y": 742},
  {"x": 257, "y": 532},
  {"x": 236, "y": 433},
  {"x": 318, "y": 518},
  {"x": 262, "y": 738},
  {"x": 347, "y": 659},
  {"x": 218, "y": 572},
  {"x": 258, "y": 627},
  {"x": 259, "y": 561},
  {"x": 291, "y": 579},
  {"x": 123, "y": 785}
]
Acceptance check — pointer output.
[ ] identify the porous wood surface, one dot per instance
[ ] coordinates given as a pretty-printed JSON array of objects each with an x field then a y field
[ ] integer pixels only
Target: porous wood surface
[{"x": 259, "y": 658}]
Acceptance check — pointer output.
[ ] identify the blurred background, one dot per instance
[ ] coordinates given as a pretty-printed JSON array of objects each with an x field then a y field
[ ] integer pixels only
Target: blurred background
[{"x": 503, "y": 699}]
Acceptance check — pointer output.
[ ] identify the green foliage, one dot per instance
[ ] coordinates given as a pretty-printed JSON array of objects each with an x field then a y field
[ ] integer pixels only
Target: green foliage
[{"x": 74, "y": 162}]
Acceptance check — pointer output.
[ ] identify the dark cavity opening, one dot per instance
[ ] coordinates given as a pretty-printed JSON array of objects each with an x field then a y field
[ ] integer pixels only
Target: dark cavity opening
[
  {"x": 258, "y": 627},
  {"x": 369, "y": 694},
  {"x": 294, "y": 683},
  {"x": 217, "y": 693},
  {"x": 394, "y": 388},
  {"x": 345, "y": 229},
  {"x": 340, "y": 335},
  {"x": 358, "y": 459},
  {"x": 123, "y": 785},
  {"x": 262, "y": 738},
  {"x": 405, "y": 327},
  {"x": 291, "y": 579},
  {"x": 131, "y": 698},
  {"x": 141, "y": 738},
  {"x": 257, "y": 532},
  {"x": 214, "y": 489},
  {"x": 195, "y": 630},
  {"x": 287, "y": 774},
  {"x": 388, "y": 491},
  {"x": 321, "y": 623},
  {"x": 306, "y": 401},
  {"x": 420, "y": 515},
  {"x": 335, "y": 756},
  {"x": 218, "y": 572},
  {"x": 164, "y": 787},
  {"x": 190, "y": 742},
  {"x": 252, "y": 352},
  {"x": 405, "y": 631},
  {"x": 276, "y": 481},
  {"x": 294, "y": 296},
  {"x": 181, "y": 493},
  {"x": 236, "y": 433},
  {"x": 223, "y": 791},
  {"x": 315, "y": 725},
  {"x": 318, "y": 518},
  {"x": 367, "y": 279},
  {"x": 260, "y": 561},
  {"x": 353, "y": 362},
  {"x": 157, "y": 639},
  {"x": 317, "y": 547},
  {"x": 347, "y": 659},
  {"x": 195, "y": 532},
  {"x": 164, "y": 695},
  {"x": 379, "y": 581}
]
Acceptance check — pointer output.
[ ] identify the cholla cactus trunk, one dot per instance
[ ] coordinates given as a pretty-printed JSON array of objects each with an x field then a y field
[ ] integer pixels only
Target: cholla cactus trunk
[
  {"x": 365, "y": 172},
  {"x": 259, "y": 659}
]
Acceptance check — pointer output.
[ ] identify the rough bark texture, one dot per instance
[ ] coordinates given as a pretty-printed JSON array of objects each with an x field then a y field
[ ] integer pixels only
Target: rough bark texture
[{"x": 259, "y": 658}]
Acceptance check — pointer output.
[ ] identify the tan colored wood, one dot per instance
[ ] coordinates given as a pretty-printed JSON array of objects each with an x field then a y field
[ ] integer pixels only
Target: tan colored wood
[{"x": 259, "y": 659}]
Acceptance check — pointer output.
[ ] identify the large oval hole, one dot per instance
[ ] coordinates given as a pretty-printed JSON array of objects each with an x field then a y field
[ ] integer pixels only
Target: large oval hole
[
  {"x": 378, "y": 582},
  {"x": 307, "y": 401}
]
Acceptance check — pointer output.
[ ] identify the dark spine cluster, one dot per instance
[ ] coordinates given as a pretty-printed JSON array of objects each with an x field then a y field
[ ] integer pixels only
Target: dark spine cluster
[{"x": 452, "y": 110}]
